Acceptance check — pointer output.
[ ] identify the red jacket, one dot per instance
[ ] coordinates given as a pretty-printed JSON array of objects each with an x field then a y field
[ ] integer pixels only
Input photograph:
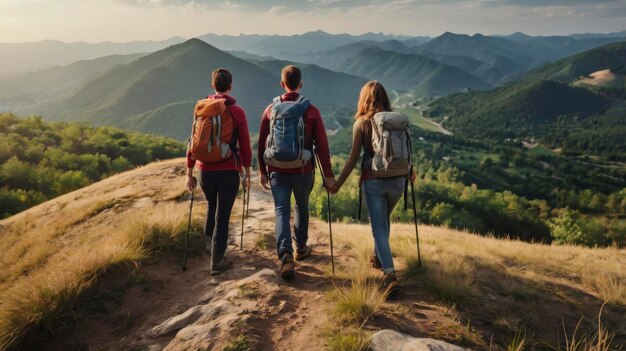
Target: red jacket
[
  {"x": 244, "y": 157},
  {"x": 314, "y": 134}
]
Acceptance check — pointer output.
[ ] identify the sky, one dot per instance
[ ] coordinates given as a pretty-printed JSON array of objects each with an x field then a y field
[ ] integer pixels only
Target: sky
[{"x": 126, "y": 20}]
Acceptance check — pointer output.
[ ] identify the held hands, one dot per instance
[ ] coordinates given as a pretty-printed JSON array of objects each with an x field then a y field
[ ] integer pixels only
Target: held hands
[
  {"x": 331, "y": 185},
  {"x": 412, "y": 176}
]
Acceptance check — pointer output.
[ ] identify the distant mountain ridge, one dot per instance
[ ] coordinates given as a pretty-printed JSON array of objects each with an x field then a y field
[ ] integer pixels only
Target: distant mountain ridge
[
  {"x": 24, "y": 90},
  {"x": 409, "y": 72},
  {"x": 155, "y": 93},
  {"x": 164, "y": 86},
  {"x": 292, "y": 46},
  {"x": 22, "y": 57}
]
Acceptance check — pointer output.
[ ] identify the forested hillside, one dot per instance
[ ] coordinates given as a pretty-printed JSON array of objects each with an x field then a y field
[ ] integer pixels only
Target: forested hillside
[
  {"x": 504, "y": 190},
  {"x": 555, "y": 105},
  {"x": 41, "y": 160}
]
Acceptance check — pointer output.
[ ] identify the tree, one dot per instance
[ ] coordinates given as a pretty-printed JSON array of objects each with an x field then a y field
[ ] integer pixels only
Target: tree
[
  {"x": 570, "y": 227},
  {"x": 70, "y": 180}
]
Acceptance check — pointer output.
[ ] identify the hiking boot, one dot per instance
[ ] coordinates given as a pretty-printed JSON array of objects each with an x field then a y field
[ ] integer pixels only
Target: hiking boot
[
  {"x": 389, "y": 284},
  {"x": 208, "y": 243},
  {"x": 287, "y": 267},
  {"x": 375, "y": 263},
  {"x": 303, "y": 253},
  {"x": 217, "y": 268}
]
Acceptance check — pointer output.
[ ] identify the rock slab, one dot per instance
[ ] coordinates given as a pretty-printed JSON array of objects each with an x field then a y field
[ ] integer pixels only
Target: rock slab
[{"x": 391, "y": 340}]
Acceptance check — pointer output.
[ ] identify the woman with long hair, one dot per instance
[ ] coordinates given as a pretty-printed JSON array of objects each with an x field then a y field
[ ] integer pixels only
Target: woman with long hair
[{"x": 381, "y": 194}]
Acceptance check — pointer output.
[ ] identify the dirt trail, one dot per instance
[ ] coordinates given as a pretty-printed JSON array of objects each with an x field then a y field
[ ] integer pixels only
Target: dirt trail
[
  {"x": 130, "y": 304},
  {"x": 127, "y": 304}
]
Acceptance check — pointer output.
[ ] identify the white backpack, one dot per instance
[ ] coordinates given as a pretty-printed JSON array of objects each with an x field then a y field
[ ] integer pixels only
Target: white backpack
[{"x": 391, "y": 142}]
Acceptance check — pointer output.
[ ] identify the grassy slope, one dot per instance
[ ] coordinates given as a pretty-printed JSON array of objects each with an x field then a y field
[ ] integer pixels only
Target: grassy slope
[
  {"x": 55, "y": 251},
  {"x": 472, "y": 290},
  {"x": 489, "y": 290}
]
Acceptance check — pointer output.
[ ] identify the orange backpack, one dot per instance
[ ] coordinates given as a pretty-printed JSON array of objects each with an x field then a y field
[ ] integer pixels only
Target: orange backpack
[{"x": 212, "y": 132}]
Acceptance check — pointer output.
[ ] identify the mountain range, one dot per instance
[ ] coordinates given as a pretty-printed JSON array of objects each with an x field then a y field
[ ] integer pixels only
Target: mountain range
[
  {"x": 154, "y": 92},
  {"x": 24, "y": 57}
]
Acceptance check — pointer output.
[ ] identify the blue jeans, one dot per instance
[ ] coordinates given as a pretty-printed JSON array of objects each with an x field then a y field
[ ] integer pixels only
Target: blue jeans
[
  {"x": 381, "y": 197},
  {"x": 283, "y": 185}
]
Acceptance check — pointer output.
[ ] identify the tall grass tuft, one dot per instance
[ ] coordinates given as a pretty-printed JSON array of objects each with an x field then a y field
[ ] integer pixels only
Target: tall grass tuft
[
  {"x": 602, "y": 340},
  {"x": 610, "y": 287},
  {"x": 161, "y": 231},
  {"x": 361, "y": 300},
  {"x": 517, "y": 342},
  {"x": 350, "y": 339}
]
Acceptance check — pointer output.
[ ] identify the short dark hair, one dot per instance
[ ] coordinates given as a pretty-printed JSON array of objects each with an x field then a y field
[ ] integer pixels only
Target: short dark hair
[
  {"x": 291, "y": 76},
  {"x": 221, "y": 79}
]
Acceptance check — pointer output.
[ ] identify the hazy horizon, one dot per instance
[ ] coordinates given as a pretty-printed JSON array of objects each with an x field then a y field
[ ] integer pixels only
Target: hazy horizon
[
  {"x": 332, "y": 33},
  {"x": 128, "y": 20}
]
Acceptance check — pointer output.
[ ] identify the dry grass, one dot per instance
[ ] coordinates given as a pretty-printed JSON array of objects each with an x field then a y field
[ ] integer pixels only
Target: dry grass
[
  {"x": 55, "y": 251},
  {"x": 512, "y": 278},
  {"x": 360, "y": 300},
  {"x": 38, "y": 302},
  {"x": 610, "y": 286},
  {"x": 602, "y": 340},
  {"x": 347, "y": 339},
  {"x": 517, "y": 343}
]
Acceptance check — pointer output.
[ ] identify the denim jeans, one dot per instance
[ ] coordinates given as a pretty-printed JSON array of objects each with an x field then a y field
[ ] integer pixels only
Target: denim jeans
[
  {"x": 381, "y": 197},
  {"x": 283, "y": 185},
  {"x": 220, "y": 189}
]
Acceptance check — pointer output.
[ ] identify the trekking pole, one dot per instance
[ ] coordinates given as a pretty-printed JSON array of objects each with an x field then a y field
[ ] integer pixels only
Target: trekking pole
[
  {"x": 188, "y": 229},
  {"x": 417, "y": 237},
  {"x": 330, "y": 219},
  {"x": 248, "y": 204},
  {"x": 243, "y": 217}
]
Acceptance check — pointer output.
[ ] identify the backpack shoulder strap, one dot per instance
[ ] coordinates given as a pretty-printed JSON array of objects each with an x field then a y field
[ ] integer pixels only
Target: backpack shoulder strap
[
  {"x": 303, "y": 103},
  {"x": 277, "y": 100}
]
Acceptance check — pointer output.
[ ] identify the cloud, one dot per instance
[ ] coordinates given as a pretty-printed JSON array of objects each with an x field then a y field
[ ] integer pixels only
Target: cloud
[{"x": 545, "y": 3}]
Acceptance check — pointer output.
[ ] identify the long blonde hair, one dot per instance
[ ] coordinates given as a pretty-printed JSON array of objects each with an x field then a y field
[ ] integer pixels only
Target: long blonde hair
[{"x": 372, "y": 99}]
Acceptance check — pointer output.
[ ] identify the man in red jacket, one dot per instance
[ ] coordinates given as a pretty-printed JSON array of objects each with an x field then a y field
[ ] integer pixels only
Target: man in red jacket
[
  {"x": 297, "y": 181},
  {"x": 220, "y": 180}
]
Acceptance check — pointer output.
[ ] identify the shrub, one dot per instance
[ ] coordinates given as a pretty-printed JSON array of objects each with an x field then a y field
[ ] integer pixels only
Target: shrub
[{"x": 570, "y": 227}]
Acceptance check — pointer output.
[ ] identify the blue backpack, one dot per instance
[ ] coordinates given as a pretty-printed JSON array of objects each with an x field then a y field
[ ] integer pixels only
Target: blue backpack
[{"x": 285, "y": 143}]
